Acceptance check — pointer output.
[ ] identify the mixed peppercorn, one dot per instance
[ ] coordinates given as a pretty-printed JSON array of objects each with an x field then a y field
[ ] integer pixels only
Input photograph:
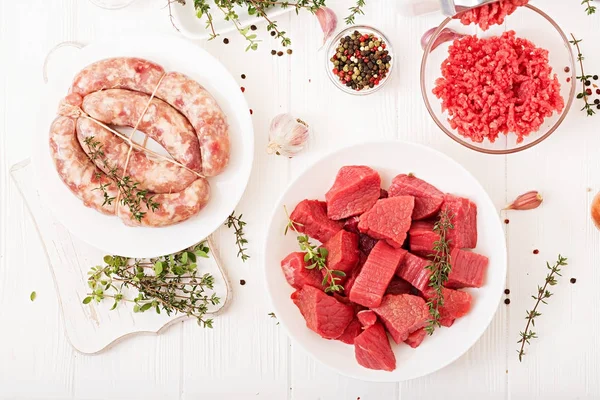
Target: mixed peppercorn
[{"x": 361, "y": 61}]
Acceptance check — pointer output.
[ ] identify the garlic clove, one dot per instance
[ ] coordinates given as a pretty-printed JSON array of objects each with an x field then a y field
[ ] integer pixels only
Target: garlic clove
[
  {"x": 287, "y": 135},
  {"x": 328, "y": 21},
  {"x": 526, "y": 201}
]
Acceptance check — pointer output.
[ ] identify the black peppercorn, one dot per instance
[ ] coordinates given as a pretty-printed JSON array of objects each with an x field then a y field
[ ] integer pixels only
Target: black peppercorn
[
  {"x": 507, "y": 301},
  {"x": 243, "y": 76},
  {"x": 226, "y": 41},
  {"x": 280, "y": 53},
  {"x": 595, "y": 77},
  {"x": 588, "y": 83},
  {"x": 273, "y": 52},
  {"x": 597, "y": 101},
  {"x": 253, "y": 27},
  {"x": 573, "y": 280}
]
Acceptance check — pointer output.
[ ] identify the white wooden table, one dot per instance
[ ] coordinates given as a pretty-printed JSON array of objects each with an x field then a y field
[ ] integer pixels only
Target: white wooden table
[{"x": 247, "y": 356}]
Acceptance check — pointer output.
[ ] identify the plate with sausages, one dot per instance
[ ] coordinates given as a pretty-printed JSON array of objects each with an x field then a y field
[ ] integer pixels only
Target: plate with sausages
[{"x": 146, "y": 145}]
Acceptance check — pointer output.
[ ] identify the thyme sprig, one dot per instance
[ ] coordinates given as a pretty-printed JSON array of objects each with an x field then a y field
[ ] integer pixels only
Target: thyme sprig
[
  {"x": 169, "y": 283},
  {"x": 540, "y": 297},
  {"x": 130, "y": 194},
  {"x": 354, "y": 11},
  {"x": 316, "y": 257},
  {"x": 440, "y": 268},
  {"x": 585, "y": 79},
  {"x": 589, "y": 8},
  {"x": 240, "y": 240}
]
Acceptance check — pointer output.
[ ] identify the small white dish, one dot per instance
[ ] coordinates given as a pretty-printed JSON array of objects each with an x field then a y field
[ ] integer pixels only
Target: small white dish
[
  {"x": 389, "y": 159},
  {"x": 108, "y": 233},
  {"x": 191, "y": 26}
]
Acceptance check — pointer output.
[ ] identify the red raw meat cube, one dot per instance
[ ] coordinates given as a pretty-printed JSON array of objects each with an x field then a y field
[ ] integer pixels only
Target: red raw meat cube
[
  {"x": 367, "y": 318},
  {"x": 428, "y": 199},
  {"x": 376, "y": 274},
  {"x": 389, "y": 219},
  {"x": 422, "y": 238},
  {"x": 468, "y": 269},
  {"x": 355, "y": 190},
  {"x": 416, "y": 338},
  {"x": 464, "y": 219},
  {"x": 353, "y": 329},
  {"x": 343, "y": 252},
  {"x": 412, "y": 269},
  {"x": 456, "y": 304},
  {"x": 296, "y": 273},
  {"x": 362, "y": 258},
  {"x": 324, "y": 314},
  {"x": 399, "y": 286},
  {"x": 351, "y": 224},
  {"x": 402, "y": 315},
  {"x": 372, "y": 349},
  {"x": 311, "y": 219},
  {"x": 447, "y": 322}
]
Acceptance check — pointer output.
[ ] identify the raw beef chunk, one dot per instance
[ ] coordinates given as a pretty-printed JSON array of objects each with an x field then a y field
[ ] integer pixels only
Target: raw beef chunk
[
  {"x": 311, "y": 219},
  {"x": 464, "y": 219},
  {"x": 456, "y": 304},
  {"x": 428, "y": 199},
  {"x": 372, "y": 349},
  {"x": 296, "y": 273},
  {"x": 468, "y": 269},
  {"x": 355, "y": 190},
  {"x": 399, "y": 286},
  {"x": 422, "y": 238},
  {"x": 376, "y": 274},
  {"x": 367, "y": 318},
  {"x": 342, "y": 252},
  {"x": 412, "y": 269},
  {"x": 353, "y": 329},
  {"x": 323, "y": 314},
  {"x": 389, "y": 219},
  {"x": 402, "y": 315},
  {"x": 416, "y": 338}
]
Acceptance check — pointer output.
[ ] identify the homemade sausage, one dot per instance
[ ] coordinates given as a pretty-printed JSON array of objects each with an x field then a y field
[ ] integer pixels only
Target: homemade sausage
[
  {"x": 76, "y": 170},
  {"x": 154, "y": 175},
  {"x": 160, "y": 121},
  {"x": 173, "y": 208}
]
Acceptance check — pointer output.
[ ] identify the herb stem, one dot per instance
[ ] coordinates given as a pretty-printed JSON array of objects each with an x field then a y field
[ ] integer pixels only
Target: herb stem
[{"x": 583, "y": 78}]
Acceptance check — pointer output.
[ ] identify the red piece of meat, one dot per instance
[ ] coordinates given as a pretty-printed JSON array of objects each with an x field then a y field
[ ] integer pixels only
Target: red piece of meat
[
  {"x": 353, "y": 329},
  {"x": 468, "y": 269},
  {"x": 342, "y": 252},
  {"x": 367, "y": 318},
  {"x": 362, "y": 258},
  {"x": 324, "y": 314},
  {"x": 456, "y": 304},
  {"x": 366, "y": 243},
  {"x": 412, "y": 269},
  {"x": 355, "y": 190},
  {"x": 389, "y": 219},
  {"x": 464, "y": 219},
  {"x": 383, "y": 194},
  {"x": 372, "y": 349},
  {"x": 351, "y": 224},
  {"x": 296, "y": 273},
  {"x": 375, "y": 276},
  {"x": 311, "y": 219},
  {"x": 416, "y": 338},
  {"x": 402, "y": 315},
  {"x": 399, "y": 286},
  {"x": 428, "y": 199},
  {"x": 422, "y": 238}
]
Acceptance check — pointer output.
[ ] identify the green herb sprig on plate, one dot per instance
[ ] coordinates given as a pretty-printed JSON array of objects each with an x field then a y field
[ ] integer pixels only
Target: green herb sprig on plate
[{"x": 169, "y": 283}]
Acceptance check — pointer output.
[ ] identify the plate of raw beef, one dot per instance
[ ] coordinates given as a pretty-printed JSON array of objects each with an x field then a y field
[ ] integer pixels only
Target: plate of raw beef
[{"x": 373, "y": 207}]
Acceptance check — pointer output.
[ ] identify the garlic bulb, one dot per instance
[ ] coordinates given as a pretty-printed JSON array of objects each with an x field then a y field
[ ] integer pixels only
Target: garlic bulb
[{"x": 287, "y": 135}]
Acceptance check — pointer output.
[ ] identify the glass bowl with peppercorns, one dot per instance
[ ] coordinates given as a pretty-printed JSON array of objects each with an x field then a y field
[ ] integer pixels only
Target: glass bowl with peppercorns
[{"x": 359, "y": 60}]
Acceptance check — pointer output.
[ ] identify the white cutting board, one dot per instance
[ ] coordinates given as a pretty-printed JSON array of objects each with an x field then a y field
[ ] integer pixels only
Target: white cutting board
[{"x": 93, "y": 327}]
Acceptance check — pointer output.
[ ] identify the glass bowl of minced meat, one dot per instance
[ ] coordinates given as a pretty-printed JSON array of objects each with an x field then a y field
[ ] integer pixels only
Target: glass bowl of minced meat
[{"x": 499, "y": 80}]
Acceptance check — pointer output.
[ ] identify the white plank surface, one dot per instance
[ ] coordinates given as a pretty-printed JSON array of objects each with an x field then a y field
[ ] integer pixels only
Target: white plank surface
[{"x": 247, "y": 355}]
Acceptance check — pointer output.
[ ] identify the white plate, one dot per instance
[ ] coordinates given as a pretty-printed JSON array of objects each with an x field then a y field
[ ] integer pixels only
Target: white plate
[
  {"x": 390, "y": 159},
  {"x": 108, "y": 232},
  {"x": 195, "y": 28}
]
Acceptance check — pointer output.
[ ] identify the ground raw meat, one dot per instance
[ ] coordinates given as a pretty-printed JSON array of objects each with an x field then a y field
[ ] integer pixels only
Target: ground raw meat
[
  {"x": 402, "y": 315},
  {"x": 376, "y": 274},
  {"x": 324, "y": 314},
  {"x": 464, "y": 219},
  {"x": 399, "y": 286},
  {"x": 296, "y": 273},
  {"x": 343, "y": 253},
  {"x": 468, "y": 269},
  {"x": 367, "y": 318},
  {"x": 416, "y": 338},
  {"x": 355, "y": 190},
  {"x": 490, "y": 14},
  {"x": 497, "y": 85},
  {"x": 389, "y": 219},
  {"x": 428, "y": 199},
  {"x": 372, "y": 349},
  {"x": 311, "y": 218},
  {"x": 412, "y": 269},
  {"x": 353, "y": 329}
]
